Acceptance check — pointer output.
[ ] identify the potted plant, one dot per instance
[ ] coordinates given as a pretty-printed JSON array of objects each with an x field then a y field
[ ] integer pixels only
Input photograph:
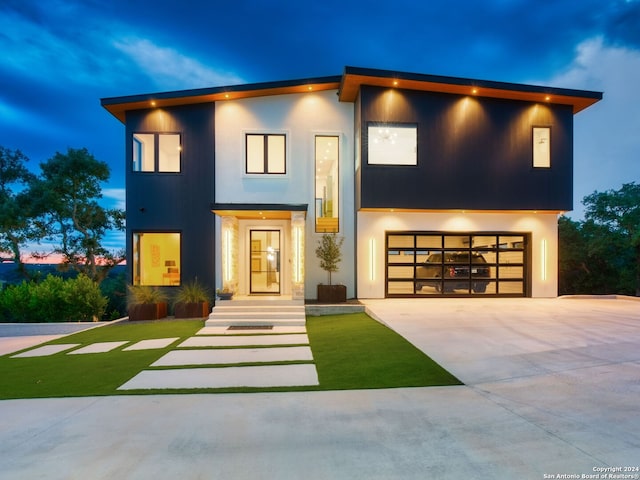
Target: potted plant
[
  {"x": 191, "y": 301},
  {"x": 146, "y": 303},
  {"x": 225, "y": 294},
  {"x": 330, "y": 254}
]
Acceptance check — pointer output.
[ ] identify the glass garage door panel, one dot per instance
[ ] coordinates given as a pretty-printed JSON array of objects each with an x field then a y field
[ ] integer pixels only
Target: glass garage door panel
[{"x": 456, "y": 264}]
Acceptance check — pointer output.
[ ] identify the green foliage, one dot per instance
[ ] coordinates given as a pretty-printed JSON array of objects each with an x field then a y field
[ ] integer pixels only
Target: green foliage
[
  {"x": 53, "y": 300},
  {"x": 69, "y": 214},
  {"x": 602, "y": 253},
  {"x": 114, "y": 287},
  {"x": 16, "y": 223},
  {"x": 192, "y": 292},
  {"x": 140, "y": 294},
  {"x": 329, "y": 253}
]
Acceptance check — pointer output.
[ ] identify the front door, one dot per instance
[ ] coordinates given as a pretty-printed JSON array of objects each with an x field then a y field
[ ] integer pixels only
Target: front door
[{"x": 265, "y": 262}]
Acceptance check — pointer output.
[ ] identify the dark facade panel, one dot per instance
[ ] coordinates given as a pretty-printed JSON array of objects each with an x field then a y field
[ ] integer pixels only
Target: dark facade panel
[
  {"x": 472, "y": 153},
  {"x": 176, "y": 202}
]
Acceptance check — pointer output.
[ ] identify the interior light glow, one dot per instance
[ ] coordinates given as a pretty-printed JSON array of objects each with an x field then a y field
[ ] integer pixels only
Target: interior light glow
[
  {"x": 474, "y": 91},
  {"x": 372, "y": 259},
  {"x": 227, "y": 256},
  {"x": 153, "y": 103},
  {"x": 543, "y": 259}
]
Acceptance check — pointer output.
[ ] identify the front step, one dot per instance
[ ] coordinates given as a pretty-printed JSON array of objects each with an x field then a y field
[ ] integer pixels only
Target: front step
[{"x": 256, "y": 313}]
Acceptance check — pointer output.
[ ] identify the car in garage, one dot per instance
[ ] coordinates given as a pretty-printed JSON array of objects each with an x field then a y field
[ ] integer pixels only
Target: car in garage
[{"x": 441, "y": 273}]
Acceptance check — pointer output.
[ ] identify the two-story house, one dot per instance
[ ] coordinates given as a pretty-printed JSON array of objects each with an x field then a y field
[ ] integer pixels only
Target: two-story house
[{"x": 439, "y": 186}]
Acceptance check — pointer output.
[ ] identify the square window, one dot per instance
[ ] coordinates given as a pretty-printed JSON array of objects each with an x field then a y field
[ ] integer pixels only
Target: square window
[
  {"x": 392, "y": 144},
  {"x": 156, "y": 259},
  {"x": 165, "y": 158},
  {"x": 266, "y": 154}
]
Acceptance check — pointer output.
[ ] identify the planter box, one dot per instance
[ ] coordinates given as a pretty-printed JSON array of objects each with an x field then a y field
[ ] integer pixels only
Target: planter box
[
  {"x": 332, "y": 293},
  {"x": 191, "y": 310},
  {"x": 148, "y": 311}
]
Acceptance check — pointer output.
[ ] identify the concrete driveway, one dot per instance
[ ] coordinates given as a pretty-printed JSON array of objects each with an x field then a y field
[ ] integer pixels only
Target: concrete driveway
[{"x": 552, "y": 388}]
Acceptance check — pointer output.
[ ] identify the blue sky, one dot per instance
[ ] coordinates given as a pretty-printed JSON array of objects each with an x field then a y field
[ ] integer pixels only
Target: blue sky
[{"x": 60, "y": 57}]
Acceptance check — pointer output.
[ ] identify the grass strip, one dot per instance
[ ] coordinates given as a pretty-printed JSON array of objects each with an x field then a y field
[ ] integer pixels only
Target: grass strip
[{"x": 350, "y": 351}]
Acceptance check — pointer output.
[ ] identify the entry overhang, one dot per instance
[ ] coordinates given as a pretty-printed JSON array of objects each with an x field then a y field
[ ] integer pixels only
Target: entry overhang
[{"x": 259, "y": 211}]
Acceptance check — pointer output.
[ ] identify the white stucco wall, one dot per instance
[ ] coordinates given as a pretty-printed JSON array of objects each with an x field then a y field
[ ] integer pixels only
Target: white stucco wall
[
  {"x": 373, "y": 225},
  {"x": 300, "y": 117}
]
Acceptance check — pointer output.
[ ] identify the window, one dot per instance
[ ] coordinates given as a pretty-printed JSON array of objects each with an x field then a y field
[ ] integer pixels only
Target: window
[
  {"x": 541, "y": 147},
  {"x": 266, "y": 154},
  {"x": 392, "y": 144},
  {"x": 168, "y": 152},
  {"x": 327, "y": 183},
  {"x": 156, "y": 259}
]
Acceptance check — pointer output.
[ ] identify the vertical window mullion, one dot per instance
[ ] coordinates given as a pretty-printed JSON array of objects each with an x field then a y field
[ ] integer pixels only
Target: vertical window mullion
[{"x": 265, "y": 139}]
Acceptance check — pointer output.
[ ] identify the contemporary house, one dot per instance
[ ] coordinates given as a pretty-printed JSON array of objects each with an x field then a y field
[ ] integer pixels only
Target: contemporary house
[{"x": 439, "y": 186}]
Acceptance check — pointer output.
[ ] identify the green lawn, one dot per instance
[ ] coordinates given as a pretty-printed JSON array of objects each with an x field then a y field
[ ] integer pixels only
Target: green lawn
[{"x": 350, "y": 352}]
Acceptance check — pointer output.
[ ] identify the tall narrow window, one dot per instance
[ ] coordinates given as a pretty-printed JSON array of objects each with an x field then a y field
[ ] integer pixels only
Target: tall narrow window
[
  {"x": 156, "y": 259},
  {"x": 164, "y": 158},
  {"x": 541, "y": 147},
  {"x": 327, "y": 183},
  {"x": 143, "y": 152},
  {"x": 266, "y": 154}
]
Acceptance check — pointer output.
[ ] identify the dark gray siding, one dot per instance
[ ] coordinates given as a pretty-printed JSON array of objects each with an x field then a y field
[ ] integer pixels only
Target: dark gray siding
[
  {"x": 176, "y": 202},
  {"x": 476, "y": 155}
]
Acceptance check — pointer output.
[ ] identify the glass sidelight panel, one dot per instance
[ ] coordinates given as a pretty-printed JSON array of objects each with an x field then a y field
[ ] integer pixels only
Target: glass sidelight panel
[{"x": 265, "y": 261}]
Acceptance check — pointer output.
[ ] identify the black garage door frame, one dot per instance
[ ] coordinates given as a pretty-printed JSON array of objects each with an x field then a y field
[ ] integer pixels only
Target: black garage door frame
[{"x": 426, "y": 264}]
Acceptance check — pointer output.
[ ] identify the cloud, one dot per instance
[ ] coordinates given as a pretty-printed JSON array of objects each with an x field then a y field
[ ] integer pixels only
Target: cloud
[
  {"x": 114, "y": 197},
  {"x": 170, "y": 68},
  {"x": 606, "y": 140}
]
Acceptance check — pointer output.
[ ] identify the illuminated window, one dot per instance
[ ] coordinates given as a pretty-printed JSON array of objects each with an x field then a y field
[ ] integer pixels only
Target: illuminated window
[
  {"x": 266, "y": 154},
  {"x": 327, "y": 183},
  {"x": 542, "y": 147},
  {"x": 167, "y": 146},
  {"x": 156, "y": 259},
  {"x": 392, "y": 144}
]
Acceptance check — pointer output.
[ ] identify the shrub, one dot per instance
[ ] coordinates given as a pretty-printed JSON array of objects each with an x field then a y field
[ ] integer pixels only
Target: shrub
[
  {"x": 139, "y": 294},
  {"x": 192, "y": 292},
  {"x": 53, "y": 300}
]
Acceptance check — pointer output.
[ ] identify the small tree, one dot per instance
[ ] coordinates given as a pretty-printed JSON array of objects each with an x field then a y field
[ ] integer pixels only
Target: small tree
[
  {"x": 329, "y": 252},
  {"x": 66, "y": 199}
]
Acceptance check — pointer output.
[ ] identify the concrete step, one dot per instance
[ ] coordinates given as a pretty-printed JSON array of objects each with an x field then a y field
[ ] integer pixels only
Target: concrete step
[{"x": 256, "y": 312}]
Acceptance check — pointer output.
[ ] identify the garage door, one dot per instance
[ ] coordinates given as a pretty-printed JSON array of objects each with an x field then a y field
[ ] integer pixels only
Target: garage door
[{"x": 427, "y": 264}]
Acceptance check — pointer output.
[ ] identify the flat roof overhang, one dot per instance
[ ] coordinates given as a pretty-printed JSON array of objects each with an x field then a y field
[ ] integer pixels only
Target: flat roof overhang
[
  {"x": 258, "y": 211},
  {"x": 118, "y": 106},
  {"x": 354, "y": 77}
]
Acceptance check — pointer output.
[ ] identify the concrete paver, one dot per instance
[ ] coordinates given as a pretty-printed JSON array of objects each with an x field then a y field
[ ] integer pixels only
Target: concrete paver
[
  {"x": 204, "y": 341},
  {"x": 551, "y": 389},
  {"x": 151, "y": 344},
  {"x": 98, "y": 347},
  {"x": 250, "y": 376},
  {"x": 46, "y": 350},
  {"x": 233, "y": 355}
]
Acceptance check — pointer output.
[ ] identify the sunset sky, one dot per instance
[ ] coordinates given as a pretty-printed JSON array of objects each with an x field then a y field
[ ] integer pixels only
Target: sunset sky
[{"x": 58, "y": 58}]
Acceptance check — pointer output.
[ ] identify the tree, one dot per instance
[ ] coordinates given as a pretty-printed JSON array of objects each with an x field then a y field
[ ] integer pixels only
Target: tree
[
  {"x": 329, "y": 253},
  {"x": 619, "y": 212},
  {"x": 66, "y": 195},
  {"x": 15, "y": 213}
]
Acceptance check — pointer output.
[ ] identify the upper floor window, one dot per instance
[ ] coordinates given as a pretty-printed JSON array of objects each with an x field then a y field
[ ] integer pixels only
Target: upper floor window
[
  {"x": 167, "y": 146},
  {"x": 541, "y": 147},
  {"x": 266, "y": 154},
  {"x": 392, "y": 144},
  {"x": 327, "y": 183}
]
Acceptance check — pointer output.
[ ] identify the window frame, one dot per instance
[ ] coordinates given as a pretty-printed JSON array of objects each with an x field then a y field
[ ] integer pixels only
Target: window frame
[
  {"x": 136, "y": 269},
  {"x": 378, "y": 124},
  {"x": 318, "y": 206},
  {"x": 536, "y": 155},
  {"x": 265, "y": 153},
  {"x": 156, "y": 153}
]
